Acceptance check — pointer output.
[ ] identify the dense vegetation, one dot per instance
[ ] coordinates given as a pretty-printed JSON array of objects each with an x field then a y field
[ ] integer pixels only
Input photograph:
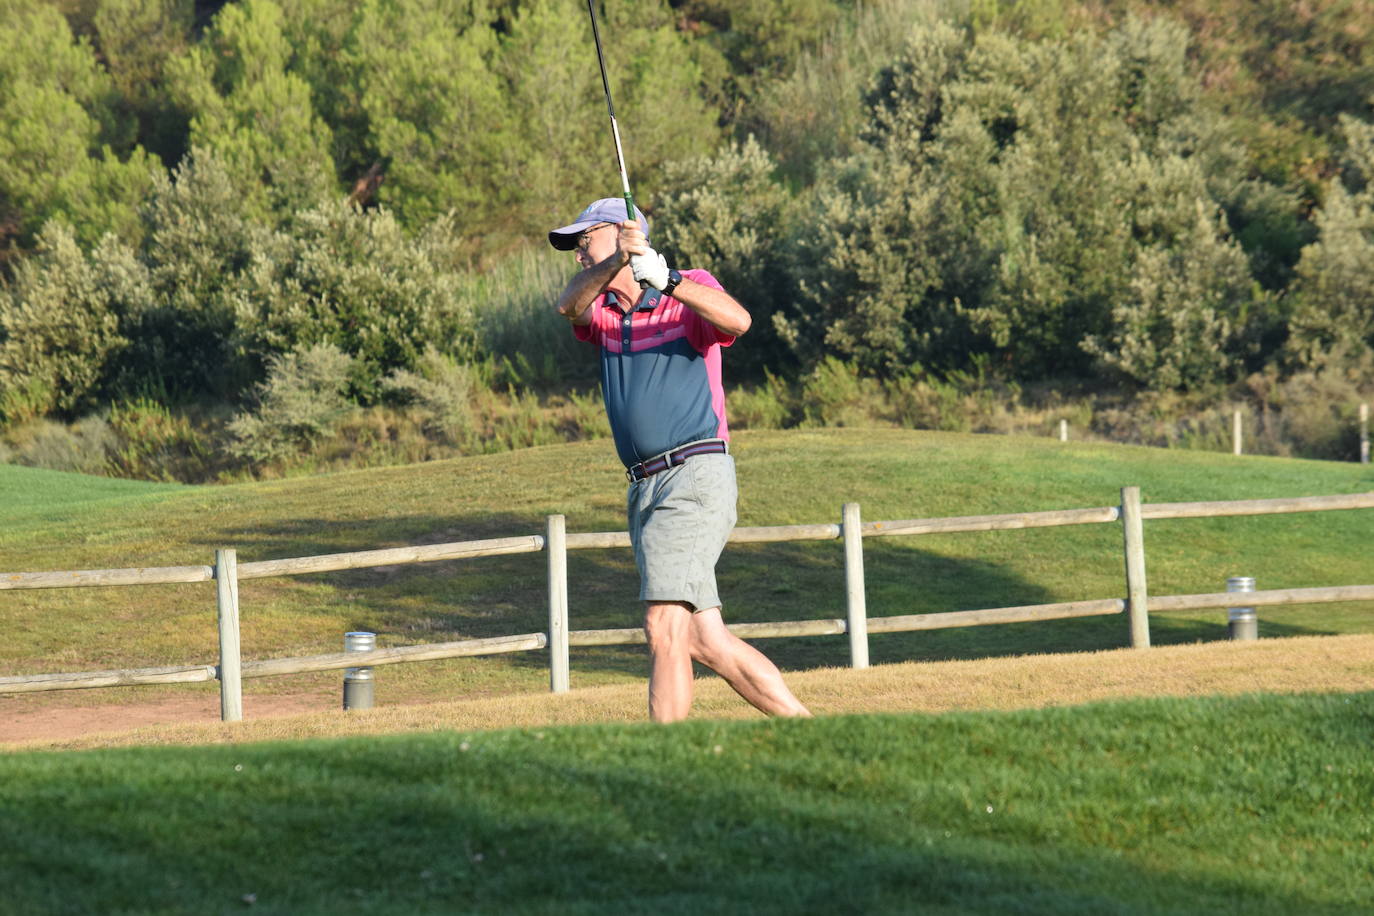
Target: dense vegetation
[{"x": 233, "y": 233}]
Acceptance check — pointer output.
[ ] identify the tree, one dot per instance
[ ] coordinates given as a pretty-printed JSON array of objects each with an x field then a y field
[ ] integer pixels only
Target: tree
[
  {"x": 1335, "y": 286},
  {"x": 136, "y": 40},
  {"x": 727, "y": 213},
  {"x": 252, "y": 113},
  {"x": 67, "y": 151},
  {"x": 1005, "y": 194}
]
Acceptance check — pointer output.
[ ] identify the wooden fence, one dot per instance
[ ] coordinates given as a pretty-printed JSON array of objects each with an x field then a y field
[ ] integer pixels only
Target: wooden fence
[{"x": 227, "y": 572}]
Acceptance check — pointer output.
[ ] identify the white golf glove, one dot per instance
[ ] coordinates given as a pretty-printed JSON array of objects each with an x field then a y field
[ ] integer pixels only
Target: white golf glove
[{"x": 650, "y": 269}]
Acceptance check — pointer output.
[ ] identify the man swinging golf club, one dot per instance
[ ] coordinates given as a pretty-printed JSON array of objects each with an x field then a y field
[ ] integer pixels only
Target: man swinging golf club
[{"x": 660, "y": 332}]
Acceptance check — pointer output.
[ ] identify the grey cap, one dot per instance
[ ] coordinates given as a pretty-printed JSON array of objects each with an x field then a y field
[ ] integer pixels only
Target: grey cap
[{"x": 605, "y": 210}]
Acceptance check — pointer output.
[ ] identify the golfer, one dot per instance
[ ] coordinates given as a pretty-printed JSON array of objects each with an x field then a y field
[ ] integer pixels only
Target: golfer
[{"x": 660, "y": 378}]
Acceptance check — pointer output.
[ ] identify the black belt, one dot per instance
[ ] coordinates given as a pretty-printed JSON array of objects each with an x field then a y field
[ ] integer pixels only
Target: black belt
[{"x": 675, "y": 457}]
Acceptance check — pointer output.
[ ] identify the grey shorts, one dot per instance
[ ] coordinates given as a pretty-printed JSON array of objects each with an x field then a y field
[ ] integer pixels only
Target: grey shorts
[{"x": 679, "y": 521}]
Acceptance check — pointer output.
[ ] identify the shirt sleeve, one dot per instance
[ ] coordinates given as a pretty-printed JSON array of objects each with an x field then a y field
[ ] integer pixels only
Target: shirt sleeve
[{"x": 701, "y": 332}]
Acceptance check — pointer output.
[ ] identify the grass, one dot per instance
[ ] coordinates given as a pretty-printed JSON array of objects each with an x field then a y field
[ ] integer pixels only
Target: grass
[
  {"x": 786, "y": 477},
  {"x": 1254, "y": 804}
]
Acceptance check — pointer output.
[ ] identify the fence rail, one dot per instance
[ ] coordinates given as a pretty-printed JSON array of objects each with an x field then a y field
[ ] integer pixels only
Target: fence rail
[{"x": 227, "y": 572}]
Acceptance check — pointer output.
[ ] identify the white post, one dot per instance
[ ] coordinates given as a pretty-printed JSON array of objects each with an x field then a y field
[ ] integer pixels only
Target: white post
[
  {"x": 557, "y": 545},
  {"x": 1063, "y": 430},
  {"x": 856, "y": 604},
  {"x": 1364, "y": 433},
  {"x": 1134, "y": 535},
  {"x": 1236, "y": 433},
  {"x": 230, "y": 659}
]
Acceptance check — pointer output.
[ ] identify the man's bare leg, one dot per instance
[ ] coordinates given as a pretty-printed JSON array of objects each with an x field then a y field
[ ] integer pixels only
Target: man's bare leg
[
  {"x": 751, "y": 673},
  {"x": 668, "y": 629}
]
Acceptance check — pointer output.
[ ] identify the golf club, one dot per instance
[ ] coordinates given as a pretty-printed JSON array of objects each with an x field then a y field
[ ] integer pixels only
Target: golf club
[{"x": 615, "y": 129}]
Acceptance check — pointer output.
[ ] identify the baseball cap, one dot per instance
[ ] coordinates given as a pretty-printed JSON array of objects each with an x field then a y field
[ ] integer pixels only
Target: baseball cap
[{"x": 605, "y": 210}]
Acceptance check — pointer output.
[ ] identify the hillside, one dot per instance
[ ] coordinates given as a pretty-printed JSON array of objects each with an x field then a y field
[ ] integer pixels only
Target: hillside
[{"x": 786, "y": 478}]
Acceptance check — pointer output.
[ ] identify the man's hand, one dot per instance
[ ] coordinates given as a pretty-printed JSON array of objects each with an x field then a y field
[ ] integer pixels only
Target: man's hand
[{"x": 650, "y": 269}]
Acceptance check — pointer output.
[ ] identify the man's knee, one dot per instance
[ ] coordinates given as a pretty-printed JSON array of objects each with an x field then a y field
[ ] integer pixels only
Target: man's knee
[
  {"x": 712, "y": 644},
  {"x": 667, "y": 624}
]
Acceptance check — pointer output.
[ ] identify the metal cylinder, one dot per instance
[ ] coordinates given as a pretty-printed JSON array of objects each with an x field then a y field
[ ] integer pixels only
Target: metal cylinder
[
  {"x": 358, "y": 683},
  {"x": 1241, "y": 621}
]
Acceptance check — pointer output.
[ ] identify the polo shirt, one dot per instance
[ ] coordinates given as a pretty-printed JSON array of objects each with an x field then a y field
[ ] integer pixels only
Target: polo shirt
[{"x": 660, "y": 371}]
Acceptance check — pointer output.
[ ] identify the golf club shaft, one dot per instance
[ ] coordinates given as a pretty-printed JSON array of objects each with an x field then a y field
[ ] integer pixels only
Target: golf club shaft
[{"x": 615, "y": 128}]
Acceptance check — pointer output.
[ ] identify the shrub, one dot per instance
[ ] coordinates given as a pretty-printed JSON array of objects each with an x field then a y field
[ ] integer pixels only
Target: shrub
[
  {"x": 1182, "y": 323},
  {"x": 1335, "y": 287},
  {"x": 63, "y": 323},
  {"x": 517, "y": 328},
  {"x": 767, "y": 406},
  {"x": 82, "y": 447},
  {"x": 961, "y": 402},
  {"x": 298, "y": 406},
  {"x": 442, "y": 390},
  {"x": 198, "y": 239},
  {"x": 155, "y": 444},
  {"x": 1003, "y": 200},
  {"x": 726, "y": 213},
  {"x": 356, "y": 281},
  {"x": 835, "y": 394}
]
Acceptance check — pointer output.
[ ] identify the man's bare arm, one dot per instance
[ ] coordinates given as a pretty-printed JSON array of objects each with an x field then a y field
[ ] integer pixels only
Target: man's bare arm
[
  {"x": 720, "y": 309},
  {"x": 575, "y": 301}
]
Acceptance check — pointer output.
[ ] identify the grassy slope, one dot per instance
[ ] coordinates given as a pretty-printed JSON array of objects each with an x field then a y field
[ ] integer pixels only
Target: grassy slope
[
  {"x": 787, "y": 477},
  {"x": 1254, "y": 805}
]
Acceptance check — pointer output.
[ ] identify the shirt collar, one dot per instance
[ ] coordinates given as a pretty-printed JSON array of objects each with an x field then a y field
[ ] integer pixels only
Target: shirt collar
[{"x": 647, "y": 303}]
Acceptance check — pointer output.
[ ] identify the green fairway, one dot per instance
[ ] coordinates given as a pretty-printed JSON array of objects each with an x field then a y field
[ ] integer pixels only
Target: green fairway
[
  {"x": 35, "y": 497},
  {"x": 1256, "y": 805},
  {"x": 70, "y": 522}
]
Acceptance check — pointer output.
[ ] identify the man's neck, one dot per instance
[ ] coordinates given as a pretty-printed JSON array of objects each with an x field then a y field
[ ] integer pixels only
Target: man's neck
[{"x": 627, "y": 291}]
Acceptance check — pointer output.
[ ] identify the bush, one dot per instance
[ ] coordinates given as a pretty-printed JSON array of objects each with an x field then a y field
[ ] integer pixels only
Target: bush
[
  {"x": 517, "y": 328},
  {"x": 1335, "y": 287},
  {"x": 962, "y": 402},
  {"x": 726, "y": 213},
  {"x": 198, "y": 239},
  {"x": 298, "y": 406},
  {"x": 442, "y": 391},
  {"x": 1006, "y": 194},
  {"x": 63, "y": 323},
  {"x": 768, "y": 406},
  {"x": 835, "y": 394},
  {"x": 356, "y": 281},
  {"x": 83, "y": 447},
  {"x": 152, "y": 443}
]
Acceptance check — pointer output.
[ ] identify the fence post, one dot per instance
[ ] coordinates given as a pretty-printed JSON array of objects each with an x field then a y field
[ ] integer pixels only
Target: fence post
[
  {"x": 856, "y": 605},
  {"x": 1134, "y": 536},
  {"x": 1364, "y": 433},
  {"x": 1063, "y": 430},
  {"x": 230, "y": 659},
  {"x": 556, "y": 544},
  {"x": 1237, "y": 432}
]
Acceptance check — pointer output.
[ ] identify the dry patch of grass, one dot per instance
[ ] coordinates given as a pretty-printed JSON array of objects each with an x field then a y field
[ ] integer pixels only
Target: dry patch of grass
[{"x": 1296, "y": 665}]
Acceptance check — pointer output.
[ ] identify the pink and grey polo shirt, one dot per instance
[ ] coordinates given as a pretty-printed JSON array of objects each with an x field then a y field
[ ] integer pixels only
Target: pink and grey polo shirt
[{"x": 660, "y": 372}]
